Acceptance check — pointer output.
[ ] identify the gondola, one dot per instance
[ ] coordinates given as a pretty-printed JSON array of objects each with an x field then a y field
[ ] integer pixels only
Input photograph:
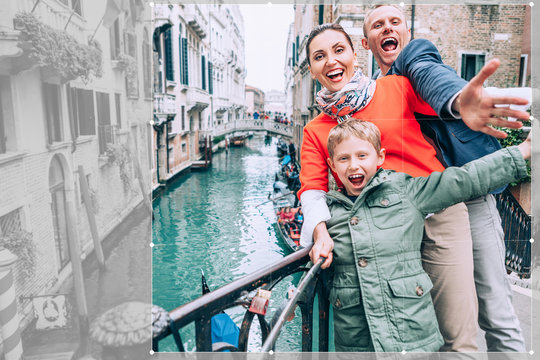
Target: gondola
[
  {"x": 283, "y": 197},
  {"x": 282, "y": 148}
]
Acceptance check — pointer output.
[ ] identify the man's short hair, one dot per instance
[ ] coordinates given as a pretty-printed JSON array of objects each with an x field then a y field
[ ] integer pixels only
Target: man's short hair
[
  {"x": 364, "y": 26},
  {"x": 364, "y": 130}
]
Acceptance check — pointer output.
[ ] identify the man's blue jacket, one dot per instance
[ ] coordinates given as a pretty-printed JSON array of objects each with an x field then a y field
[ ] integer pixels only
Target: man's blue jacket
[{"x": 436, "y": 85}]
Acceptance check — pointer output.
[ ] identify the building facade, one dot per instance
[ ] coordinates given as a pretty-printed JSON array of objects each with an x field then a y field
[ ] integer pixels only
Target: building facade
[
  {"x": 254, "y": 100},
  {"x": 199, "y": 77},
  {"x": 274, "y": 102},
  {"x": 70, "y": 125}
]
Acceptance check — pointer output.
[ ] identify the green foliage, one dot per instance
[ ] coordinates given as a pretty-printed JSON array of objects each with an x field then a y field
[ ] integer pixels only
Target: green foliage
[
  {"x": 218, "y": 139},
  {"x": 128, "y": 64},
  {"x": 119, "y": 155},
  {"x": 57, "y": 51},
  {"x": 516, "y": 137},
  {"x": 21, "y": 244}
]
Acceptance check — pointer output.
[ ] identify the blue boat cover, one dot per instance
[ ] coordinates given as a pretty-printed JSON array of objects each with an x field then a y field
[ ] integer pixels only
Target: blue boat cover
[
  {"x": 286, "y": 160},
  {"x": 224, "y": 330}
]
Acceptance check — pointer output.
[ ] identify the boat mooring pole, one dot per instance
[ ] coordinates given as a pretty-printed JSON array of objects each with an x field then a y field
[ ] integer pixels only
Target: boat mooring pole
[{"x": 91, "y": 217}]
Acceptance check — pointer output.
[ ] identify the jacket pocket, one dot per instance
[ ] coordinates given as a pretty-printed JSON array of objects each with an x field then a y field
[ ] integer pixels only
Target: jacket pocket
[
  {"x": 351, "y": 330},
  {"x": 386, "y": 210},
  {"x": 462, "y": 132},
  {"x": 414, "y": 315}
]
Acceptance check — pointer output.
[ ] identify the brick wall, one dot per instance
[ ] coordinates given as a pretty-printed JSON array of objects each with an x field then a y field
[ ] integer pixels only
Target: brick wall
[{"x": 493, "y": 30}]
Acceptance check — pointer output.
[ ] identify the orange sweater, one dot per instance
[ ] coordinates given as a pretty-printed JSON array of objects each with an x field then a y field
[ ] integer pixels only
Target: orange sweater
[{"x": 392, "y": 109}]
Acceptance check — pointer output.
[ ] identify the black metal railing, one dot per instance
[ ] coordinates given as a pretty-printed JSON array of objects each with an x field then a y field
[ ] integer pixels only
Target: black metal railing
[
  {"x": 517, "y": 233},
  {"x": 201, "y": 310}
]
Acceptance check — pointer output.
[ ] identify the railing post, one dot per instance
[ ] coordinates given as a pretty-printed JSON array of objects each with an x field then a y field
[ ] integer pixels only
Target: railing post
[{"x": 203, "y": 334}]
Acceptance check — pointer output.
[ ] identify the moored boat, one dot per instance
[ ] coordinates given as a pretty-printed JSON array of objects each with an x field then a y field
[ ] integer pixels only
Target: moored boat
[{"x": 285, "y": 208}]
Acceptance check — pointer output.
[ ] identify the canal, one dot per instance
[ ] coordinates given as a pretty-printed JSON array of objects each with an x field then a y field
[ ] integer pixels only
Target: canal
[{"x": 218, "y": 221}]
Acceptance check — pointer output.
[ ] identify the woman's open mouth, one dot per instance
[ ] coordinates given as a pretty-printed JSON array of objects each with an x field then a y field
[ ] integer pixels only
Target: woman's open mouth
[{"x": 335, "y": 74}]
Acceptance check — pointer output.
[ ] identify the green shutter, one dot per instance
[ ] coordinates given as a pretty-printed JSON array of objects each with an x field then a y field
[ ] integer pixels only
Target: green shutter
[
  {"x": 210, "y": 78},
  {"x": 203, "y": 72},
  {"x": 185, "y": 75},
  {"x": 169, "y": 70}
]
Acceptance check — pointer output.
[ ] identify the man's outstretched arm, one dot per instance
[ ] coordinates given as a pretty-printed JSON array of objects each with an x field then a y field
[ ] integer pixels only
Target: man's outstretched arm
[{"x": 438, "y": 84}]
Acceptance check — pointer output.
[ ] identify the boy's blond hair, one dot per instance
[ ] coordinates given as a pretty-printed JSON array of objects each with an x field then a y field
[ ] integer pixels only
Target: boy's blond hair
[{"x": 353, "y": 127}]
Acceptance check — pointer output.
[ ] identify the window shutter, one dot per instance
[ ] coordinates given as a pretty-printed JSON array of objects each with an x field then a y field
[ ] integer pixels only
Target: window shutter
[
  {"x": 210, "y": 78},
  {"x": 297, "y": 44},
  {"x": 169, "y": 70},
  {"x": 185, "y": 77},
  {"x": 203, "y": 72}
]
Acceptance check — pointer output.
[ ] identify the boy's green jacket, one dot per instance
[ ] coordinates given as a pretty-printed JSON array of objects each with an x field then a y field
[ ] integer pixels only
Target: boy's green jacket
[{"x": 380, "y": 293}]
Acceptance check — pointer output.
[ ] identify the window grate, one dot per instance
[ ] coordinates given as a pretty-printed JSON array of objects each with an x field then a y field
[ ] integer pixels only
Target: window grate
[{"x": 10, "y": 223}]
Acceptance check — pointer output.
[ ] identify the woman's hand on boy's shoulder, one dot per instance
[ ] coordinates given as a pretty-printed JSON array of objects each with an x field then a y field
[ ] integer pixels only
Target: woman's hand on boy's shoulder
[{"x": 323, "y": 245}]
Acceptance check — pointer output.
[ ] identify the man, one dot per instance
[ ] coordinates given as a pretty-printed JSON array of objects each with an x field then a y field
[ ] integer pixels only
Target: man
[{"x": 386, "y": 35}]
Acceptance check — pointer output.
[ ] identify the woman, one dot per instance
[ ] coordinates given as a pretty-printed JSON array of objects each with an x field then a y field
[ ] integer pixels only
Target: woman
[{"x": 390, "y": 103}]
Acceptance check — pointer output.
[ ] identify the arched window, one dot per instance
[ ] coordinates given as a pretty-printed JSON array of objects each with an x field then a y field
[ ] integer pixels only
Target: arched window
[{"x": 58, "y": 209}]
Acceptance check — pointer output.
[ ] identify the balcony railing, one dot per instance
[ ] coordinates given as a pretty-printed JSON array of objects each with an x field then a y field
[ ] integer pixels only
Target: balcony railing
[
  {"x": 517, "y": 233},
  {"x": 164, "y": 104},
  {"x": 201, "y": 310},
  {"x": 56, "y": 15}
]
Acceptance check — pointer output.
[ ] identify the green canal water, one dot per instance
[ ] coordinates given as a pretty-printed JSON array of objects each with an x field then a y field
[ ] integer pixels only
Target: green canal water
[{"x": 210, "y": 220}]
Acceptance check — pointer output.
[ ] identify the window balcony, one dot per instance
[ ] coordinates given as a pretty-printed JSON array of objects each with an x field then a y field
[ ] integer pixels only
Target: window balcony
[
  {"x": 164, "y": 104},
  {"x": 196, "y": 21},
  {"x": 197, "y": 99}
]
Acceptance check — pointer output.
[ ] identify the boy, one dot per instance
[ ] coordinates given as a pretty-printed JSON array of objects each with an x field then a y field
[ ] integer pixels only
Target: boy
[{"x": 380, "y": 292}]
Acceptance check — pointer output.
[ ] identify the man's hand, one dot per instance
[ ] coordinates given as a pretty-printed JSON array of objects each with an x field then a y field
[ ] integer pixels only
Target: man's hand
[
  {"x": 478, "y": 110},
  {"x": 323, "y": 245}
]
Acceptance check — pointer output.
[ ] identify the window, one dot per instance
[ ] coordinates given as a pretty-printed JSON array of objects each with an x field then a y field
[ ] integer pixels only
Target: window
[
  {"x": 105, "y": 129},
  {"x": 114, "y": 35},
  {"x": 471, "y": 65},
  {"x": 81, "y": 109},
  {"x": 117, "y": 102},
  {"x": 169, "y": 61},
  {"x": 523, "y": 70},
  {"x": 210, "y": 78},
  {"x": 58, "y": 211},
  {"x": 180, "y": 62},
  {"x": 132, "y": 82},
  {"x": 147, "y": 72},
  {"x": 7, "y": 123},
  {"x": 184, "y": 148},
  {"x": 75, "y": 5},
  {"x": 297, "y": 45},
  {"x": 203, "y": 72},
  {"x": 10, "y": 223},
  {"x": 185, "y": 78},
  {"x": 3, "y": 138},
  {"x": 183, "y": 111},
  {"x": 51, "y": 99}
]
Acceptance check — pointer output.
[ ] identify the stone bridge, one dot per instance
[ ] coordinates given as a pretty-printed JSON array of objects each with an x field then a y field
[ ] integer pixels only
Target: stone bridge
[{"x": 270, "y": 126}]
